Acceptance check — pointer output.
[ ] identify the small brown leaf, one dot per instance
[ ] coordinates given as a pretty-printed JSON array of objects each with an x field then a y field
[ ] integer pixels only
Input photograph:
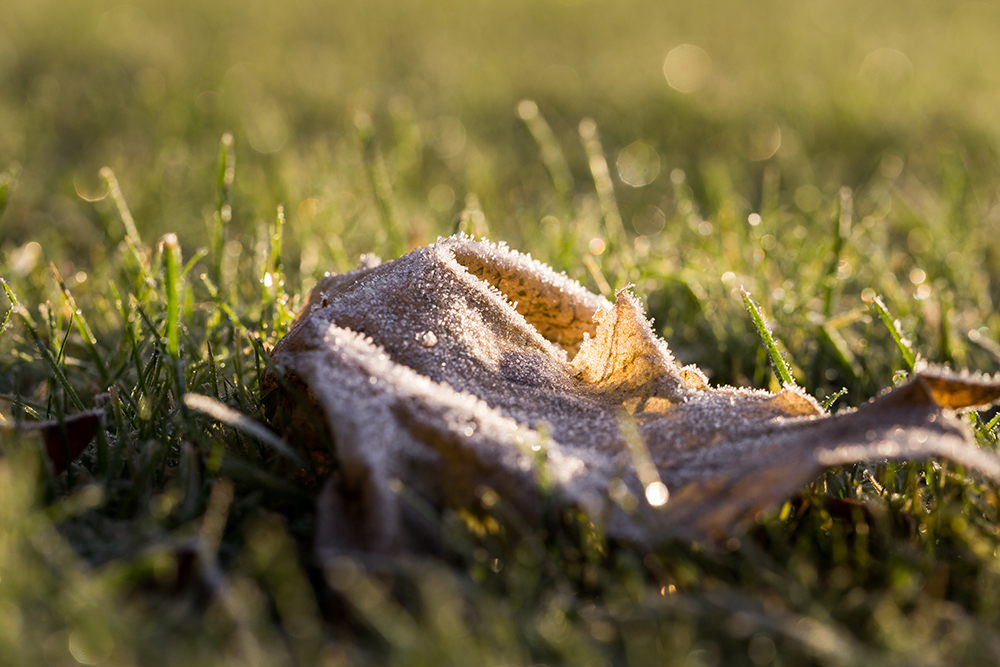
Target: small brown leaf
[
  {"x": 65, "y": 441},
  {"x": 464, "y": 366}
]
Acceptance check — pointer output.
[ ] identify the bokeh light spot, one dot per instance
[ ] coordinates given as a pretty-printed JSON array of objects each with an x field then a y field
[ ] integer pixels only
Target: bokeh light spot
[
  {"x": 762, "y": 141},
  {"x": 687, "y": 67},
  {"x": 449, "y": 137},
  {"x": 638, "y": 164},
  {"x": 807, "y": 198},
  {"x": 886, "y": 67},
  {"x": 761, "y": 649},
  {"x": 441, "y": 198},
  {"x": 891, "y": 166},
  {"x": 307, "y": 209},
  {"x": 527, "y": 109},
  {"x": 649, "y": 221}
]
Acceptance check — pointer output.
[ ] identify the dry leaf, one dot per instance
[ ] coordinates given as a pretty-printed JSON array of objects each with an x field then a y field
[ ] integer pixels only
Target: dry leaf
[
  {"x": 64, "y": 441},
  {"x": 465, "y": 366}
]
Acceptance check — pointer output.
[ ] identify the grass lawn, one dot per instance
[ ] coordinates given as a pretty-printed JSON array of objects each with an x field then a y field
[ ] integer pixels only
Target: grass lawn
[{"x": 175, "y": 176}]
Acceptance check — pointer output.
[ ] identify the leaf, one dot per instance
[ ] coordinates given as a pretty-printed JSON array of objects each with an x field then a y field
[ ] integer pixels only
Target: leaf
[
  {"x": 64, "y": 440},
  {"x": 465, "y": 365}
]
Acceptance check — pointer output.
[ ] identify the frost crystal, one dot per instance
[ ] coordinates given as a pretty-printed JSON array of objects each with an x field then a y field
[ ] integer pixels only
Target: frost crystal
[{"x": 465, "y": 366}]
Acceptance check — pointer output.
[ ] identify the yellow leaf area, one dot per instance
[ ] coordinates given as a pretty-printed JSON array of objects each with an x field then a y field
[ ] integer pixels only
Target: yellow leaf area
[{"x": 465, "y": 370}]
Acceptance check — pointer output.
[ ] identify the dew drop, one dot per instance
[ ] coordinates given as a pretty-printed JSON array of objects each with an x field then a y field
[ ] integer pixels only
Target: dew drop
[{"x": 657, "y": 494}]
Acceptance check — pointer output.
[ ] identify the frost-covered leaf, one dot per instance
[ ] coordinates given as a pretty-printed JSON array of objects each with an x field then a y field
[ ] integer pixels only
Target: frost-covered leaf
[{"x": 464, "y": 365}]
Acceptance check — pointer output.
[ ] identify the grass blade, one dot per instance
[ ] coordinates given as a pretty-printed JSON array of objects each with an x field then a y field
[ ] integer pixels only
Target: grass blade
[
  {"x": 840, "y": 350},
  {"x": 6, "y": 319},
  {"x": 897, "y": 335},
  {"x": 118, "y": 198},
  {"x": 613, "y": 225},
  {"x": 40, "y": 344},
  {"x": 274, "y": 310},
  {"x": 7, "y": 181},
  {"x": 192, "y": 262},
  {"x": 548, "y": 146},
  {"x": 132, "y": 238},
  {"x": 656, "y": 491},
  {"x": 841, "y": 232},
  {"x": 223, "y": 207},
  {"x": 378, "y": 176},
  {"x": 992, "y": 424},
  {"x": 595, "y": 273},
  {"x": 214, "y": 293},
  {"x": 227, "y": 415},
  {"x": 130, "y": 335},
  {"x": 777, "y": 362},
  {"x": 172, "y": 260},
  {"x": 279, "y": 374},
  {"x": 83, "y": 327},
  {"x": 832, "y": 398}
]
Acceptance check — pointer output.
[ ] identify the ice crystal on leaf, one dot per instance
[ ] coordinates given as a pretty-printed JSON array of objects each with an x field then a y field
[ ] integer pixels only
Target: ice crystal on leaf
[{"x": 465, "y": 366}]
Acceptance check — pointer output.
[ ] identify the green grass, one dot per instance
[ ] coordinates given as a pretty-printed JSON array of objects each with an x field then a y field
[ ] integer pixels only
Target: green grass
[{"x": 252, "y": 148}]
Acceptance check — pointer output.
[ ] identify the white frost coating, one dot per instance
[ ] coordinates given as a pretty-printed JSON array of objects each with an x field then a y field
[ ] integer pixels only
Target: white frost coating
[
  {"x": 464, "y": 365},
  {"x": 427, "y": 338}
]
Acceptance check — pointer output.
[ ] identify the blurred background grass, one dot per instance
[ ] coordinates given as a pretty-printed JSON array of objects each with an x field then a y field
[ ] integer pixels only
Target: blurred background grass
[
  {"x": 148, "y": 87},
  {"x": 771, "y": 104},
  {"x": 817, "y": 153}
]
